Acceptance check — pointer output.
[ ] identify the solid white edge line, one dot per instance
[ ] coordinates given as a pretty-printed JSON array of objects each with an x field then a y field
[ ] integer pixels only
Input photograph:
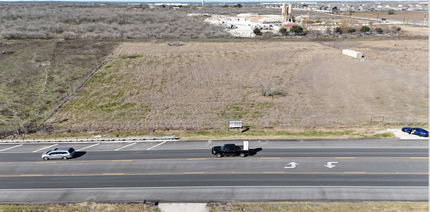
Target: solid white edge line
[
  {"x": 125, "y": 146},
  {"x": 87, "y": 147},
  {"x": 45, "y": 147},
  {"x": 198, "y": 187},
  {"x": 11, "y": 147},
  {"x": 155, "y": 146}
]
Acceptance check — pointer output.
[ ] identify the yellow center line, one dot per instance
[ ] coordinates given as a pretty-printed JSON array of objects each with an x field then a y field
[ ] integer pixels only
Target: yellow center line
[
  {"x": 354, "y": 172},
  {"x": 31, "y": 175},
  {"x": 196, "y": 158},
  {"x": 45, "y": 162},
  {"x": 344, "y": 158},
  {"x": 113, "y": 173},
  {"x": 192, "y": 172},
  {"x": 274, "y": 172},
  {"x": 419, "y": 158}
]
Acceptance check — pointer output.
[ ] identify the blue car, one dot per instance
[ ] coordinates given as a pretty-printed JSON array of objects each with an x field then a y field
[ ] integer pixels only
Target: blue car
[{"x": 416, "y": 131}]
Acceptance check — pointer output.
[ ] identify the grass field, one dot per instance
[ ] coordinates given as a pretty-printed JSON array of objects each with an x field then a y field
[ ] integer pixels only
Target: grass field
[
  {"x": 155, "y": 87},
  {"x": 323, "y": 206},
  {"x": 39, "y": 74},
  {"x": 234, "y": 207},
  {"x": 406, "y": 16}
]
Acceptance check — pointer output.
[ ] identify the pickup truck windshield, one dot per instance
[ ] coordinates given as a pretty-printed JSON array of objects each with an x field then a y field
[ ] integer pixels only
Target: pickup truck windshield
[{"x": 222, "y": 147}]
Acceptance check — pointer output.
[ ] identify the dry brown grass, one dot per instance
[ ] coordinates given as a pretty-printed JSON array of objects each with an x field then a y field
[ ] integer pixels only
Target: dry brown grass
[
  {"x": 322, "y": 206},
  {"x": 414, "y": 31},
  {"x": 410, "y": 16},
  {"x": 199, "y": 85},
  {"x": 79, "y": 207},
  {"x": 233, "y": 207}
]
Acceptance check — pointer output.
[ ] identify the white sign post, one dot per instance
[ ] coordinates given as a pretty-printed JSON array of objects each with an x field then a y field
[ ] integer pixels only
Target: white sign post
[{"x": 235, "y": 124}]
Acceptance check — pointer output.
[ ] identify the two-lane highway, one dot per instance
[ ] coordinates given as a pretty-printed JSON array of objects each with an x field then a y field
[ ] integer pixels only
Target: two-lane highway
[{"x": 187, "y": 171}]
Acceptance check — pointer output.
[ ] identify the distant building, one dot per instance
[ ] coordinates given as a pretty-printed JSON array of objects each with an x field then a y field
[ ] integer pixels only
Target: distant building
[
  {"x": 363, "y": 8},
  {"x": 343, "y": 9}
]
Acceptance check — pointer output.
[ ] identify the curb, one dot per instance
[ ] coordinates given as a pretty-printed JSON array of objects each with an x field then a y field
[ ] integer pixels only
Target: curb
[{"x": 93, "y": 140}]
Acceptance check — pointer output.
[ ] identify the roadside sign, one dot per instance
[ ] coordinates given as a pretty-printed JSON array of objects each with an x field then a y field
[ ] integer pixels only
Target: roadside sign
[{"x": 235, "y": 124}]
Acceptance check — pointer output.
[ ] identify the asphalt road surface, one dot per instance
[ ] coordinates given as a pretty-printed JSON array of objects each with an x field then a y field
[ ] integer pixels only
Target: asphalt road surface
[{"x": 187, "y": 171}]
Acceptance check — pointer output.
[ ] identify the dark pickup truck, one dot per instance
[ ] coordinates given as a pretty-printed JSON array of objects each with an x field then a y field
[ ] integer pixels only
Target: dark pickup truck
[{"x": 230, "y": 150}]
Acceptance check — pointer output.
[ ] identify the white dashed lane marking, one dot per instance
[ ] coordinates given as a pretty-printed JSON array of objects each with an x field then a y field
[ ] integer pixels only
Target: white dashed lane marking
[
  {"x": 125, "y": 146},
  {"x": 156, "y": 145},
  {"x": 11, "y": 147},
  {"x": 45, "y": 148},
  {"x": 87, "y": 147}
]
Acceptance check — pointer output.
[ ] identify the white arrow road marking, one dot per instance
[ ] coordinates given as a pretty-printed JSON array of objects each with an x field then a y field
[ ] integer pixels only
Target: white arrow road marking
[
  {"x": 293, "y": 165},
  {"x": 330, "y": 165}
]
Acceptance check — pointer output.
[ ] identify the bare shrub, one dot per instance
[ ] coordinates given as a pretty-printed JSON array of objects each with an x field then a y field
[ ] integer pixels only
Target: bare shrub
[
  {"x": 52, "y": 20},
  {"x": 175, "y": 43},
  {"x": 269, "y": 89}
]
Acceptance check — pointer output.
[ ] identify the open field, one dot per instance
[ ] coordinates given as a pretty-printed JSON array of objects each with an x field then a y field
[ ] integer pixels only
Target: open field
[
  {"x": 414, "y": 31},
  {"x": 406, "y": 16},
  {"x": 237, "y": 206},
  {"x": 36, "y": 76},
  {"x": 323, "y": 206},
  {"x": 148, "y": 87}
]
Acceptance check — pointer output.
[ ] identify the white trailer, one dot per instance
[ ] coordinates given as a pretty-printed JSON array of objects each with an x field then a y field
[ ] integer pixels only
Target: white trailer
[
  {"x": 245, "y": 145},
  {"x": 352, "y": 53}
]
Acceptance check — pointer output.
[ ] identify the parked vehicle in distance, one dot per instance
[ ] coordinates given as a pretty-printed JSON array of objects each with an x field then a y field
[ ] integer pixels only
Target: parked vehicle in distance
[
  {"x": 416, "y": 131},
  {"x": 231, "y": 150},
  {"x": 59, "y": 153}
]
